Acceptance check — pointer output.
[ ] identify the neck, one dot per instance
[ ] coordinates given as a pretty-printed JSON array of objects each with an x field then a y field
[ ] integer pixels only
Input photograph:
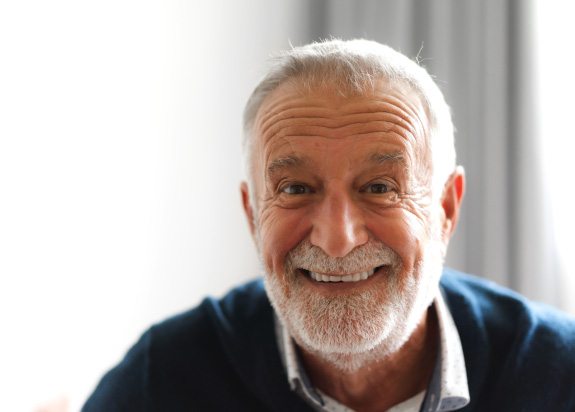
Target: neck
[{"x": 386, "y": 382}]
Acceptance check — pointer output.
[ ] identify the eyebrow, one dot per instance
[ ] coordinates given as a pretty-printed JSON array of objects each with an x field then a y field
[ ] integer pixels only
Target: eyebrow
[
  {"x": 285, "y": 162},
  {"x": 383, "y": 158}
]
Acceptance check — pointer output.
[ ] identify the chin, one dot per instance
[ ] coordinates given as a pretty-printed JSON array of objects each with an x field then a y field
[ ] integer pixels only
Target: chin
[{"x": 350, "y": 330}]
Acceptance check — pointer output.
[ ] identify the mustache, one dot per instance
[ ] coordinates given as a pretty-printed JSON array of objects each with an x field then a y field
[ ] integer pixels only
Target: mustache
[{"x": 363, "y": 258}]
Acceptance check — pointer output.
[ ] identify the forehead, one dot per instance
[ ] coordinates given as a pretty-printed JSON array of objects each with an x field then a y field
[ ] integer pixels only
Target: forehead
[{"x": 388, "y": 119}]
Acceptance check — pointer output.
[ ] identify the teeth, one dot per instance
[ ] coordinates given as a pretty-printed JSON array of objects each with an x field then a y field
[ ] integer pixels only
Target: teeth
[{"x": 355, "y": 277}]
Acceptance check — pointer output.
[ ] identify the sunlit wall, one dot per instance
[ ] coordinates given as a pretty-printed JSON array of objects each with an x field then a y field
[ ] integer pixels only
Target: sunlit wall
[{"x": 119, "y": 174}]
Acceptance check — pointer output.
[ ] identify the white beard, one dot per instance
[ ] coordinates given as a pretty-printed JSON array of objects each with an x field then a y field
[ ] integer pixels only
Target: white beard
[{"x": 353, "y": 330}]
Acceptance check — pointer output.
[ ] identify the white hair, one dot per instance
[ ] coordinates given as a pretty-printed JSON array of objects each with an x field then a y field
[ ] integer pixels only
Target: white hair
[{"x": 353, "y": 68}]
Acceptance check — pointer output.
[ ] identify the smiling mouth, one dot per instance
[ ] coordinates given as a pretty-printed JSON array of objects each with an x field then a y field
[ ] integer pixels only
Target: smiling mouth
[{"x": 352, "y": 277}]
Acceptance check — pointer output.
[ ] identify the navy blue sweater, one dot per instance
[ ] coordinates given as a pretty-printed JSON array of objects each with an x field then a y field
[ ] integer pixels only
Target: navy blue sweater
[{"x": 223, "y": 356}]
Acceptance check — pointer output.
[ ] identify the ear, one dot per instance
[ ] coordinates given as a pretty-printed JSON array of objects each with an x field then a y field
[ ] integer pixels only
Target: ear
[
  {"x": 248, "y": 209},
  {"x": 451, "y": 202}
]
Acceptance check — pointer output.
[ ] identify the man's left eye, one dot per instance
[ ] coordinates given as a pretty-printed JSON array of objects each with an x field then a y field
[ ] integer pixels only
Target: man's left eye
[{"x": 377, "y": 188}]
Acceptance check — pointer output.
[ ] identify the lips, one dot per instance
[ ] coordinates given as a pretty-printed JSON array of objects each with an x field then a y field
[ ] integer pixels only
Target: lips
[{"x": 350, "y": 277}]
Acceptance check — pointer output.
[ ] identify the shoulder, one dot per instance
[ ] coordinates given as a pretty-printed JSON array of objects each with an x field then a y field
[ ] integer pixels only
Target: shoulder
[
  {"x": 499, "y": 307},
  {"x": 227, "y": 315},
  {"x": 188, "y": 361},
  {"x": 514, "y": 348}
]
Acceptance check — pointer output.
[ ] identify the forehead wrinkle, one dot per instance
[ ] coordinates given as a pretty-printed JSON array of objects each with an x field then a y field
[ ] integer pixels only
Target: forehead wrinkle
[
  {"x": 275, "y": 123},
  {"x": 341, "y": 112},
  {"x": 356, "y": 130},
  {"x": 293, "y": 111},
  {"x": 349, "y": 125},
  {"x": 403, "y": 109},
  {"x": 287, "y": 106},
  {"x": 272, "y": 122},
  {"x": 414, "y": 114},
  {"x": 373, "y": 104}
]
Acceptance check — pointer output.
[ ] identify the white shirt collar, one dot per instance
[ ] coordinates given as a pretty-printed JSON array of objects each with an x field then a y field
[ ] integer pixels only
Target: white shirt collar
[{"x": 447, "y": 391}]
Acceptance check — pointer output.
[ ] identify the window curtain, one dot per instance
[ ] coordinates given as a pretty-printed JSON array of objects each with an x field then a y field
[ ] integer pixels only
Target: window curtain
[{"x": 481, "y": 54}]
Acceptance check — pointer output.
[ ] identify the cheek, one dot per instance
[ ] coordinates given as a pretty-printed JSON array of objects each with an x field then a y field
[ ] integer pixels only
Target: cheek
[
  {"x": 280, "y": 231},
  {"x": 403, "y": 232}
]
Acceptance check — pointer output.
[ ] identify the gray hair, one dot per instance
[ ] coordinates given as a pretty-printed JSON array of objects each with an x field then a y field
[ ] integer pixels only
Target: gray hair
[{"x": 352, "y": 68}]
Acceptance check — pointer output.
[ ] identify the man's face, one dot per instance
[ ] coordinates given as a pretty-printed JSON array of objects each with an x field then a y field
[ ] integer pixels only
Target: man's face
[{"x": 346, "y": 225}]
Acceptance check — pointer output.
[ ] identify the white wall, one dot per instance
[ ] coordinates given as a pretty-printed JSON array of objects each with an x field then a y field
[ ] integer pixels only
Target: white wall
[
  {"x": 556, "y": 88},
  {"x": 119, "y": 172}
]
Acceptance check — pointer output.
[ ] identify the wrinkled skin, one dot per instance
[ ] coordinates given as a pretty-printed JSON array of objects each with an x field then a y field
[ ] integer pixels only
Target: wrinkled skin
[
  {"x": 339, "y": 172},
  {"x": 331, "y": 149}
]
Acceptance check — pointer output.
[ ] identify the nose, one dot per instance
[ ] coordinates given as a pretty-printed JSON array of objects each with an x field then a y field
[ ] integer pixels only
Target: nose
[{"x": 338, "y": 225}]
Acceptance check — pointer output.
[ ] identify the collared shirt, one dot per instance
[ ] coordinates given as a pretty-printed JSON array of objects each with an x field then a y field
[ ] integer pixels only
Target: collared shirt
[{"x": 447, "y": 390}]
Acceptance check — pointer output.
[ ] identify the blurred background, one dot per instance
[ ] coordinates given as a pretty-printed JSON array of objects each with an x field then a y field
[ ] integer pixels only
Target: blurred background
[{"x": 120, "y": 160}]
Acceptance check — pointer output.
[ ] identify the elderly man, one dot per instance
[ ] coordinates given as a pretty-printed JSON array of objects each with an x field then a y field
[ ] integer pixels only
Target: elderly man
[{"x": 352, "y": 198}]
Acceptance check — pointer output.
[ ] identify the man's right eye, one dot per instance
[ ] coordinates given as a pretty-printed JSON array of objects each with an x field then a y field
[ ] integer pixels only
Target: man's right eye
[{"x": 295, "y": 189}]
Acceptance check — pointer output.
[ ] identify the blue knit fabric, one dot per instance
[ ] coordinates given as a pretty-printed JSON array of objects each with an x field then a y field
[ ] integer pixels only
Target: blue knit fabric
[{"x": 223, "y": 356}]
